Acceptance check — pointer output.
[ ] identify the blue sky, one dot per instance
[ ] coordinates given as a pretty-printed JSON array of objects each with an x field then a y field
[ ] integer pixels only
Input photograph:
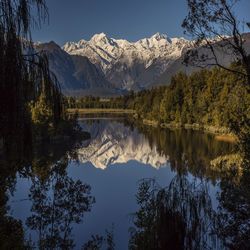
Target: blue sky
[{"x": 72, "y": 20}]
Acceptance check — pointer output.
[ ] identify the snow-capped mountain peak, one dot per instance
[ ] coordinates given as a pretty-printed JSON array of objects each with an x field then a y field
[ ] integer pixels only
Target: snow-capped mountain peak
[
  {"x": 123, "y": 62},
  {"x": 157, "y": 41},
  {"x": 110, "y": 66},
  {"x": 158, "y": 37},
  {"x": 98, "y": 37},
  {"x": 102, "y": 39}
]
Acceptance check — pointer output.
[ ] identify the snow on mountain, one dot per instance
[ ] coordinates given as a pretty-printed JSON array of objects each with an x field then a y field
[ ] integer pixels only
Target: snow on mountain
[
  {"x": 125, "y": 63},
  {"x": 106, "y": 66},
  {"x": 112, "y": 143},
  {"x": 224, "y": 58},
  {"x": 103, "y": 50}
]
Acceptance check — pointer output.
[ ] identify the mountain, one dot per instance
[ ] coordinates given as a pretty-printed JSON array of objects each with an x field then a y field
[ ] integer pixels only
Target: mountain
[
  {"x": 61, "y": 64},
  {"x": 130, "y": 65},
  {"x": 76, "y": 74},
  {"x": 112, "y": 143},
  {"x": 106, "y": 66},
  {"x": 224, "y": 58}
]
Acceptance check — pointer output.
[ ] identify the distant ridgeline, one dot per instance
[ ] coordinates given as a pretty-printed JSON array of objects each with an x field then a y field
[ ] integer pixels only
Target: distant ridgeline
[{"x": 212, "y": 97}]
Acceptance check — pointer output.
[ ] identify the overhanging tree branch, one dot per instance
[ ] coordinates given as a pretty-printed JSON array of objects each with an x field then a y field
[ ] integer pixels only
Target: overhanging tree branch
[{"x": 214, "y": 26}]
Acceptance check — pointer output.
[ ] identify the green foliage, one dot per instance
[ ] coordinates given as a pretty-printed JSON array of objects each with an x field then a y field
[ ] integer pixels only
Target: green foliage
[
  {"x": 41, "y": 112},
  {"x": 24, "y": 76},
  {"x": 44, "y": 125},
  {"x": 97, "y": 102},
  {"x": 208, "y": 97}
]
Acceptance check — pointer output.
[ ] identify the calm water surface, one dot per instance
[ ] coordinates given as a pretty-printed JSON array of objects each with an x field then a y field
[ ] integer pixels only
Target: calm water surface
[{"x": 106, "y": 170}]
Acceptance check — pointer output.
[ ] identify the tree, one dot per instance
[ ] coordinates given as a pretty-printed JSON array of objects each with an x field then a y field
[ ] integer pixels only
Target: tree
[
  {"x": 234, "y": 210},
  {"x": 213, "y": 24},
  {"x": 24, "y": 73},
  {"x": 179, "y": 216}
]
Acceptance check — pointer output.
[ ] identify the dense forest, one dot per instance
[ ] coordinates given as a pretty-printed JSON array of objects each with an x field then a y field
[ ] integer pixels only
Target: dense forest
[
  {"x": 214, "y": 99},
  {"x": 208, "y": 97}
]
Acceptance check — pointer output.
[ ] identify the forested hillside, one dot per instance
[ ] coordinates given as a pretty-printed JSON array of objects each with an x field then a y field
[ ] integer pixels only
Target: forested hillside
[
  {"x": 212, "y": 97},
  {"x": 214, "y": 100}
]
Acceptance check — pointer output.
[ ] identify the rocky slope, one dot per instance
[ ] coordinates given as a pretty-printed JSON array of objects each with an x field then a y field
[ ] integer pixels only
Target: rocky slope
[{"x": 76, "y": 74}]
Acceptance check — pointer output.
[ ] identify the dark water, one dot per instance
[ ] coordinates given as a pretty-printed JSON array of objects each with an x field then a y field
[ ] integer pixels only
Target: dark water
[{"x": 63, "y": 198}]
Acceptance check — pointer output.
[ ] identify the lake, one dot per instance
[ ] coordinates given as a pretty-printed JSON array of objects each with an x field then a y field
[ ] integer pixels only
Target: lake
[{"x": 66, "y": 197}]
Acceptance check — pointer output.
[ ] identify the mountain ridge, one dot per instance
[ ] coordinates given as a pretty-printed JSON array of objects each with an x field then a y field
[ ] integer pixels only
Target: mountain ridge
[
  {"x": 76, "y": 74},
  {"x": 106, "y": 66},
  {"x": 124, "y": 63}
]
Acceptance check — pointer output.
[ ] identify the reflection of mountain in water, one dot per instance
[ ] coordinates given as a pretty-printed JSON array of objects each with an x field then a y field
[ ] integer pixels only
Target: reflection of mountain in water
[{"x": 112, "y": 142}]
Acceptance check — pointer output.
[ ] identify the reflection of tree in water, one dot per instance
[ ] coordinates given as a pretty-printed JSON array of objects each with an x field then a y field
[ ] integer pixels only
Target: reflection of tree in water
[
  {"x": 55, "y": 196},
  {"x": 188, "y": 150},
  {"x": 11, "y": 230},
  {"x": 177, "y": 217},
  {"x": 58, "y": 202},
  {"x": 171, "y": 218},
  {"x": 234, "y": 211},
  {"x": 98, "y": 242}
]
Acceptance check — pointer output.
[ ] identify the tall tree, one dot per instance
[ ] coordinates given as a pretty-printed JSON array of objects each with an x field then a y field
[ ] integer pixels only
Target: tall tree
[
  {"x": 24, "y": 74},
  {"x": 213, "y": 24}
]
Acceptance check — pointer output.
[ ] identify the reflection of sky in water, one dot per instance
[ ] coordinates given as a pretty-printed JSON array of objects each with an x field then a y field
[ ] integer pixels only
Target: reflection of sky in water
[{"x": 114, "y": 189}]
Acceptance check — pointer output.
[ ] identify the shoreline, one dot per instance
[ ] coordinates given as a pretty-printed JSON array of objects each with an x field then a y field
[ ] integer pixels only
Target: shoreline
[
  {"x": 221, "y": 133},
  {"x": 100, "y": 110}
]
